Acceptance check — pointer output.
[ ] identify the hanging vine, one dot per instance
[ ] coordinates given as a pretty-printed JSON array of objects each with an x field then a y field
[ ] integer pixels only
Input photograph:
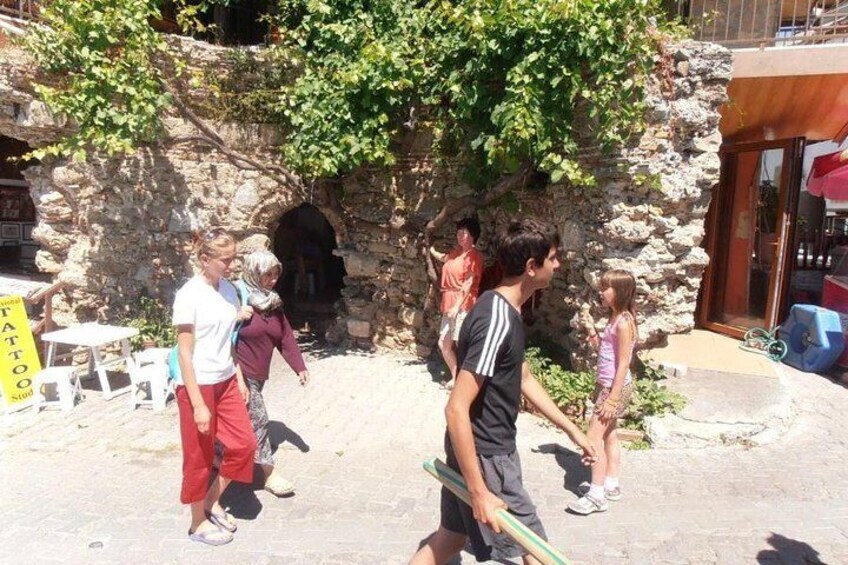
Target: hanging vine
[
  {"x": 97, "y": 56},
  {"x": 498, "y": 82},
  {"x": 503, "y": 85}
]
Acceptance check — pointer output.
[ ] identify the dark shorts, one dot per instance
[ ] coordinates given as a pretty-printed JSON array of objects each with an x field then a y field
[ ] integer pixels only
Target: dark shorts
[{"x": 502, "y": 474}]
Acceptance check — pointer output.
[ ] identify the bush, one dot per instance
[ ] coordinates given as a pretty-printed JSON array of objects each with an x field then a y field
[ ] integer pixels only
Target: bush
[
  {"x": 650, "y": 397},
  {"x": 572, "y": 390},
  {"x": 569, "y": 389}
]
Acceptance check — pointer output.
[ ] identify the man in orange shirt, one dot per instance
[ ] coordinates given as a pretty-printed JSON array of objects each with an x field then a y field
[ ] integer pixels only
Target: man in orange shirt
[{"x": 460, "y": 284}]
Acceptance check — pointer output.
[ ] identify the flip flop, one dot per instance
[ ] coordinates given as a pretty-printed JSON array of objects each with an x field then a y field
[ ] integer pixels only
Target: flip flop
[
  {"x": 224, "y": 521},
  {"x": 208, "y": 537}
]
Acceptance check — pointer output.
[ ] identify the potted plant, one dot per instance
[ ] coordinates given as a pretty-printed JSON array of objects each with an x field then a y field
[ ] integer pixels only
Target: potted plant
[{"x": 152, "y": 319}]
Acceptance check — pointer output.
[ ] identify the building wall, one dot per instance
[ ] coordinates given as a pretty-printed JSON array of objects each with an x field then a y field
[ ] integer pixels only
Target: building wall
[{"x": 114, "y": 229}]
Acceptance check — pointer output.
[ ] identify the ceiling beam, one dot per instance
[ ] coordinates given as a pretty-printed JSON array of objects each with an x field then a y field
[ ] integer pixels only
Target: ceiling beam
[{"x": 828, "y": 59}]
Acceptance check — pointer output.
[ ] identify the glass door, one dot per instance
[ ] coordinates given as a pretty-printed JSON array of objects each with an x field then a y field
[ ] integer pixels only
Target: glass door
[{"x": 749, "y": 233}]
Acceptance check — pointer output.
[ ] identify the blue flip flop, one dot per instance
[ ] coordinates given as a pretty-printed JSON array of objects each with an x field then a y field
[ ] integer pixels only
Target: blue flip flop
[
  {"x": 205, "y": 537},
  {"x": 224, "y": 521}
]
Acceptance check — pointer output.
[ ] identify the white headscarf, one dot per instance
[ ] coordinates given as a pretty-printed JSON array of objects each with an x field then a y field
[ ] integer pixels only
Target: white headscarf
[{"x": 257, "y": 264}]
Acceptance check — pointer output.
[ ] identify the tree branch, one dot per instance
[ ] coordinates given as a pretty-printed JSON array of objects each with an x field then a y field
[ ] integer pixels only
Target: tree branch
[
  {"x": 330, "y": 203},
  {"x": 453, "y": 206},
  {"x": 211, "y": 137}
]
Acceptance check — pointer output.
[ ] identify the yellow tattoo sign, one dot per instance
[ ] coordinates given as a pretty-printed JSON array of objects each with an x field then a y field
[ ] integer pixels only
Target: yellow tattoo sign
[{"x": 18, "y": 356}]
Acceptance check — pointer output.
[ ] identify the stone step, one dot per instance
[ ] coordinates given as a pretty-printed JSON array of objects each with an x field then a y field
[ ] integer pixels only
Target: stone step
[{"x": 724, "y": 408}]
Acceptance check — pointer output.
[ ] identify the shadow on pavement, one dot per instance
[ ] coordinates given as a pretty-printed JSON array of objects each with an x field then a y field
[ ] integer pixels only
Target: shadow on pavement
[
  {"x": 117, "y": 380},
  {"x": 318, "y": 348},
  {"x": 435, "y": 366},
  {"x": 787, "y": 550},
  {"x": 241, "y": 501},
  {"x": 837, "y": 375},
  {"x": 279, "y": 433},
  {"x": 569, "y": 461}
]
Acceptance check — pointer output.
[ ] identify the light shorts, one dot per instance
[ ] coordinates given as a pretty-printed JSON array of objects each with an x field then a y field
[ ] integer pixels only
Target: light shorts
[{"x": 450, "y": 325}]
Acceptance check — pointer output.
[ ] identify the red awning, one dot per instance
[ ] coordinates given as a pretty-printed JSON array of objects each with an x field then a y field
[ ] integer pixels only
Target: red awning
[{"x": 829, "y": 177}]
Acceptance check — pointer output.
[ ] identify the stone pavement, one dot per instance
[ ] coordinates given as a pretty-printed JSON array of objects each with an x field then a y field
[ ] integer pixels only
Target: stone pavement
[{"x": 100, "y": 485}]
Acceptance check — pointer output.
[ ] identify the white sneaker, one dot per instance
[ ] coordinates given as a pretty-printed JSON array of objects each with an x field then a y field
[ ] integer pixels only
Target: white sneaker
[
  {"x": 611, "y": 494},
  {"x": 588, "y": 504}
]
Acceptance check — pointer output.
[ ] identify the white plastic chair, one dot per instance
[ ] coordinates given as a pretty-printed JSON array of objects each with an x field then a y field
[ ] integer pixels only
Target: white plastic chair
[
  {"x": 67, "y": 387},
  {"x": 151, "y": 367}
]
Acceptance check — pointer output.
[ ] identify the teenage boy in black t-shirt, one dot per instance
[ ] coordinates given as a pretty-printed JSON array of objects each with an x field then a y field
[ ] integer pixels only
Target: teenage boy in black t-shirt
[{"x": 483, "y": 406}]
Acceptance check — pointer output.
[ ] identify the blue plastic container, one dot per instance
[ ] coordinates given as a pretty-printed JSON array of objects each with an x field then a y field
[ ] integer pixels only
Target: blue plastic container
[{"x": 814, "y": 337}]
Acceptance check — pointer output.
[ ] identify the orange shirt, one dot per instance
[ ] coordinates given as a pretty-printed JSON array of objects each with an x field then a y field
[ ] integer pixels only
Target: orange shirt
[{"x": 458, "y": 268}]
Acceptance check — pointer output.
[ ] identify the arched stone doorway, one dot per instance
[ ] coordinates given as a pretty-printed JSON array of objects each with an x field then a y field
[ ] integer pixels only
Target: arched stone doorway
[
  {"x": 313, "y": 277},
  {"x": 17, "y": 210}
]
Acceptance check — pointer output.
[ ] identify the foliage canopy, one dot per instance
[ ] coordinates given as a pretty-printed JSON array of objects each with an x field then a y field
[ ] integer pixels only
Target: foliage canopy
[
  {"x": 500, "y": 83},
  {"x": 98, "y": 54}
]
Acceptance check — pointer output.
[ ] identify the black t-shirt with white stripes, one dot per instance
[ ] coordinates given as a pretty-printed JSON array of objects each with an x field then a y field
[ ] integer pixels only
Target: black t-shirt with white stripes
[{"x": 491, "y": 345}]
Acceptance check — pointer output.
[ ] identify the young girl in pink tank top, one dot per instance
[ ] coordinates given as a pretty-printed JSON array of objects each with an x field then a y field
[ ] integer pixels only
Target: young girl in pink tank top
[{"x": 613, "y": 389}]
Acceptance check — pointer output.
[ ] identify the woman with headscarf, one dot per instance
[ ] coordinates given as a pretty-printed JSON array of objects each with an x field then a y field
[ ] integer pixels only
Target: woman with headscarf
[{"x": 266, "y": 330}]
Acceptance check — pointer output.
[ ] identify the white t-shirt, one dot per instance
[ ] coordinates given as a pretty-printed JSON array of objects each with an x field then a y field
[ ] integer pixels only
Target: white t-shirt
[{"x": 213, "y": 315}]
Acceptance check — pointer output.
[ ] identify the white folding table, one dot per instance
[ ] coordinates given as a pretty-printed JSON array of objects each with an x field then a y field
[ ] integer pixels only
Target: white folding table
[{"x": 94, "y": 336}]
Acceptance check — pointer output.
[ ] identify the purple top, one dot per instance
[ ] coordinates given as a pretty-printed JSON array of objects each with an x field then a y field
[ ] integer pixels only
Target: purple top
[
  {"x": 258, "y": 337},
  {"x": 608, "y": 354}
]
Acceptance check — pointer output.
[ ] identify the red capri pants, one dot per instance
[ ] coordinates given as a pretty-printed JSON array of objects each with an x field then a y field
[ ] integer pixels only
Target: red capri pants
[{"x": 230, "y": 424}]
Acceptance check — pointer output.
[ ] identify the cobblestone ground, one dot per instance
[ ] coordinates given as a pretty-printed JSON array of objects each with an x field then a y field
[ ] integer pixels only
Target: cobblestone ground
[{"x": 100, "y": 485}]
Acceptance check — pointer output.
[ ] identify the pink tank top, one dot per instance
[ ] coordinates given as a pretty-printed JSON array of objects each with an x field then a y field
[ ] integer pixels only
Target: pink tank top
[{"x": 608, "y": 353}]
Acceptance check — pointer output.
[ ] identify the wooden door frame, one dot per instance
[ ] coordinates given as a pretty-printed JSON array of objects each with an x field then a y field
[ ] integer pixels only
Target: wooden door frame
[
  {"x": 786, "y": 242},
  {"x": 790, "y": 184}
]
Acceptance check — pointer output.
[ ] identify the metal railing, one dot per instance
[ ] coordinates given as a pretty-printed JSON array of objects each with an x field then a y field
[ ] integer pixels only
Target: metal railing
[
  {"x": 766, "y": 23},
  {"x": 22, "y": 9},
  {"x": 733, "y": 23}
]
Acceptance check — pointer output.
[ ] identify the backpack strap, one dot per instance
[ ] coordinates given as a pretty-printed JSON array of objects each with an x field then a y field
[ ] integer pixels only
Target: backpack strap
[
  {"x": 242, "y": 290},
  {"x": 242, "y": 293}
]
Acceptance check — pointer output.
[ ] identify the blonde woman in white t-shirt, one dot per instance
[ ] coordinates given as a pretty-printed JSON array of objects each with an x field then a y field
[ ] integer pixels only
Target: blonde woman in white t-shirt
[{"x": 213, "y": 394}]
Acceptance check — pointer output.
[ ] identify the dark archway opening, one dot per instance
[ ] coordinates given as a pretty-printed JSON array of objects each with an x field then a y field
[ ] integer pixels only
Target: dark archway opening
[
  {"x": 233, "y": 23},
  {"x": 17, "y": 210},
  {"x": 313, "y": 277}
]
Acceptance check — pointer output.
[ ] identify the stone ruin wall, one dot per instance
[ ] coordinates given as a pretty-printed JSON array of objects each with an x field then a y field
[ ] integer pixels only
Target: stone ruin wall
[
  {"x": 114, "y": 229},
  {"x": 646, "y": 214},
  {"x": 648, "y": 210}
]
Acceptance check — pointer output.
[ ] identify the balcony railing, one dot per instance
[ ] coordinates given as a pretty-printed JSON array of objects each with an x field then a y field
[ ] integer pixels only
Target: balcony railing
[
  {"x": 766, "y": 23},
  {"x": 22, "y": 9},
  {"x": 733, "y": 23}
]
